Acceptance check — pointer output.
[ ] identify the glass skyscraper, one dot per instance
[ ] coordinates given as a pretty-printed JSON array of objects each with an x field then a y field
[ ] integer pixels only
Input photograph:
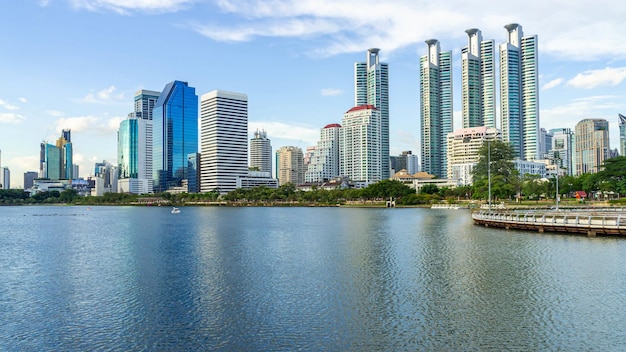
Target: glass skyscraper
[
  {"x": 622, "y": 134},
  {"x": 435, "y": 108},
  {"x": 478, "y": 81},
  {"x": 56, "y": 159},
  {"x": 519, "y": 88},
  {"x": 175, "y": 134},
  {"x": 371, "y": 87}
]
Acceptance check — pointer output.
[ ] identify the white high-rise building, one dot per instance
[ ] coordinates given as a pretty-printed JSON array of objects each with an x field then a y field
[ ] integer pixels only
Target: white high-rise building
[
  {"x": 359, "y": 145},
  {"x": 5, "y": 178},
  {"x": 478, "y": 81},
  {"x": 563, "y": 150},
  {"x": 435, "y": 108},
  {"x": 261, "y": 152},
  {"x": 463, "y": 147},
  {"x": 290, "y": 165},
  {"x": 371, "y": 87},
  {"x": 519, "y": 92},
  {"x": 223, "y": 140},
  {"x": 134, "y": 156},
  {"x": 324, "y": 163}
]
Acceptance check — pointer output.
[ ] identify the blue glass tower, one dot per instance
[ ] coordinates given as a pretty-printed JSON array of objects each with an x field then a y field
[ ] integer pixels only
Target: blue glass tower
[{"x": 175, "y": 134}]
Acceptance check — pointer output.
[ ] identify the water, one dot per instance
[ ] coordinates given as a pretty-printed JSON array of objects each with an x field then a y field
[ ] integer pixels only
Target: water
[{"x": 335, "y": 279}]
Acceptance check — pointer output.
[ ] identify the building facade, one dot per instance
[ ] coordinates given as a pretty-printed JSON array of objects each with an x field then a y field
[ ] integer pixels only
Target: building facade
[
  {"x": 592, "y": 145},
  {"x": 359, "y": 145},
  {"x": 519, "y": 92},
  {"x": 134, "y": 155},
  {"x": 563, "y": 149},
  {"x": 29, "y": 179},
  {"x": 622, "y": 134},
  {"x": 174, "y": 134},
  {"x": 324, "y": 161},
  {"x": 224, "y": 140},
  {"x": 56, "y": 160},
  {"x": 478, "y": 81},
  {"x": 261, "y": 152},
  {"x": 371, "y": 87},
  {"x": 435, "y": 108},
  {"x": 290, "y": 165},
  {"x": 463, "y": 151}
]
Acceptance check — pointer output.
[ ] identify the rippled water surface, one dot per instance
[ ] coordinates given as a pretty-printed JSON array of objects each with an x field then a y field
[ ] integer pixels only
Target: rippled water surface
[{"x": 261, "y": 279}]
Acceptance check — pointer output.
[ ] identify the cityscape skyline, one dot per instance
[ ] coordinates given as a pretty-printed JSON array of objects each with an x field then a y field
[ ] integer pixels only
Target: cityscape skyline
[{"x": 84, "y": 80}]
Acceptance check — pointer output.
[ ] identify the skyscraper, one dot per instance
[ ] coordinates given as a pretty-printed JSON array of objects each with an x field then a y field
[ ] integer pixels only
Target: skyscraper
[
  {"x": 435, "y": 108},
  {"x": 175, "y": 134},
  {"x": 145, "y": 101},
  {"x": 324, "y": 163},
  {"x": 622, "y": 134},
  {"x": 463, "y": 147},
  {"x": 371, "y": 87},
  {"x": 592, "y": 145},
  {"x": 290, "y": 165},
  {"x": 224, "y": 140},
  {"x": 519, "y": 87},
  {"x": 261, "y": 152},
  {"x": 563, "y": 149},
  {"x": 359, "y": 145},
  {"x": 56, "y": 160},
  {"x": 29, "y": 179},
  {"x": 478, "y": 81}
]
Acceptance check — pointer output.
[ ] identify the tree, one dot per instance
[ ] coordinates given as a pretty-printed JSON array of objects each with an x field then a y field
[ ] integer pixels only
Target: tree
[
  {"x": 613, "y": 175},
  {"x": 496, "y": 158}
]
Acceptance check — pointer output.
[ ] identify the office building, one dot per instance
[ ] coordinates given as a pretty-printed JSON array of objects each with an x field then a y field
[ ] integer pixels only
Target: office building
[
  {"x": 435, "y": 108},
  {"x": 55, "y": 162},
  {"x": 478, "y": 81},
  {"x": 359, "y": 145},
  {"x": 592, "y": 145},
  {"x": 224, "y": 140},
  {"x": 406, "y": 161},
  {"x": 563, "y": 149},
  {"x": 371, "y": 87},
  {"x": 463, "y": 151},
  {"x": 261, "y": 152},
  {"x": 5, "y": 178},
  {"x": 29, "y": 179},
  {"x": 622, "y": 134},
  {"x": 545, "y": 143},
  {"x": 174, "y": 134},
  {"x": 106, "y": 175},
  {"x": 324, "y": 160},
  {"x": 134, "y": 156},
  {"x": 145, "y": 100},
  {"x": 290, "y": 165},
  {"x": 519, "y": 92}
]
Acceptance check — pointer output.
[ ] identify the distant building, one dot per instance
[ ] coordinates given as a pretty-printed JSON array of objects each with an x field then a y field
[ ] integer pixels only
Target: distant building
[
  {"x": 545, "y": 143},
  {"x": 56, "y": 160},
  {"x": 622, "y": 134},
  {"x": 478, "y": 81},
  {"x": 174, "y": 134},
  {"x": 145, "y": 101},
  {"x": 134, "y": 156},
  {"x": 563, "y": 149},
  {"x": 5, "y": 178},
  {"x": 106, "y": 175},
  {"x": 435, "y": 108},
  {"x": 407, "y": 161},
  {"x": 359, "y": 145},
  {"x": 371, "y": 87},
  {"x": 463, "y": 151},
  {"x": 261, "y": 152},
  {"x": 289, "y": 165},
  {"x": 224, "y": 136},
  {"x": 592, "y": 145},
  {"x": 257, "y": 179},
  {"x": 530, "y": 167},
  {"x": 519, "y": 92},
  {"x": 29, "y": 179},
  {"x": 324, "y": 161}
]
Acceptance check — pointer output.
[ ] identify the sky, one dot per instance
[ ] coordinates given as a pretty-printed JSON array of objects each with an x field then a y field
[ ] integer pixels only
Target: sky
[{"x": 76, "y": 64}]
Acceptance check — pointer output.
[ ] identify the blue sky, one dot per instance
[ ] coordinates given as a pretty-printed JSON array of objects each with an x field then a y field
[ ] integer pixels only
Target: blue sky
[{"x": 77, "y": 63}]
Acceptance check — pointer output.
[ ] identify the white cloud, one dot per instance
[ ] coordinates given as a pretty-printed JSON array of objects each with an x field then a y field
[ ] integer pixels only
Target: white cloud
[
  {"x": 9, "y": 117},
  {"x": 8, "y": 106},
  {"x": 346, "y": 26},
  {"x": 23, "y": 100},
  {"x": 55, "y": 113},
  {"x": 125, "y": 7},
  {"x": 297, "y": 133},
  {"x": 44, "y": 3},
  {"x": 105, "y": 96},
  {"x": 596, "y": 78},
  {"x": 76, "y": 124},
  {"x": 112, "y": 125},
  {"x": 570, "y": 114},
  {"x": 330, "y": 92},
  {"x": 553, "y": 83}
]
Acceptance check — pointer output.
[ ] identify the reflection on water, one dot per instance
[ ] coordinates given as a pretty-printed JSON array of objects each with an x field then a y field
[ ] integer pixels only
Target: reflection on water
[{"x": 125, "y": 278}]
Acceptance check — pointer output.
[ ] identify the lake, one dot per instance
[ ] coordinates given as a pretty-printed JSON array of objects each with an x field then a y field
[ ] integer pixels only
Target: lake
[{"x": 298, "y": 278}]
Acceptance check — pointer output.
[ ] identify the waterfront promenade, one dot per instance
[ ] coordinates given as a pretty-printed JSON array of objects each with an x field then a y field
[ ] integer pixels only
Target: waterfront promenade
[{"x": 586, "y": 221}]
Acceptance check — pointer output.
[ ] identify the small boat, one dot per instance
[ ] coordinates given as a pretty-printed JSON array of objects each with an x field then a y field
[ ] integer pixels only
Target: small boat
[{"x": 175, "y": 210}]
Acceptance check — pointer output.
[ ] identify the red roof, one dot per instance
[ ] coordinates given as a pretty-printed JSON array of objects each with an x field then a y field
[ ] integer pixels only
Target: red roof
[
  {"x": 362, "y": 107},
  {"x": 331, "y": 125}
]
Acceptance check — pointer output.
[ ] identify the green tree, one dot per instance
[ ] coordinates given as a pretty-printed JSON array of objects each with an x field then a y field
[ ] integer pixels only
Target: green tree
[
  {"x": 612, "y": 177},
  {"x": 496, "y": 158}
]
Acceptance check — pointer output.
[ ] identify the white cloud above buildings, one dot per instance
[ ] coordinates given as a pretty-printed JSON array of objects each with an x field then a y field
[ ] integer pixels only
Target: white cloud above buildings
[
  {"x": 108, "y": 95},
  {"x": 126, "y": 7},
  {"x": 297, "y": 134},
  {"x": 10, "y": 117},
  {"x": 553, "y": 83},
  {"x": 596, "y": 78},
  {"x": 331, "y": 92}
]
